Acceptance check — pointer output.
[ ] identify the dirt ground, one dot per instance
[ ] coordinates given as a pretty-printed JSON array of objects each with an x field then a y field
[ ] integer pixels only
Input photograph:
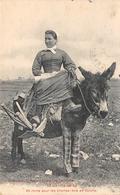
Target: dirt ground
[{"x": 99, "y": 140}]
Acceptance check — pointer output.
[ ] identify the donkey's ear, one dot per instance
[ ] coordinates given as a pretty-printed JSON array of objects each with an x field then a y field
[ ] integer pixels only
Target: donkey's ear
[
  {"x": 85, "y": 73},
  {"x": 107, "y": 74}
]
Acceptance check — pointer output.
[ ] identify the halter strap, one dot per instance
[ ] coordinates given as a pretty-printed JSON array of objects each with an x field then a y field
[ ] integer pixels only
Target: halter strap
[{"x": 78, "y": 82}]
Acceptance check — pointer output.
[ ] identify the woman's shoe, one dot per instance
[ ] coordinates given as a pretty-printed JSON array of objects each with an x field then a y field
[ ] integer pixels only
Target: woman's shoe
[{"x": 71, "y": 107}]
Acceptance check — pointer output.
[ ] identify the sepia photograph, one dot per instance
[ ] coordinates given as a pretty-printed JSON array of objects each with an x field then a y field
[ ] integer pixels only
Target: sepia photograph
[{"x": 60, "y": 97}]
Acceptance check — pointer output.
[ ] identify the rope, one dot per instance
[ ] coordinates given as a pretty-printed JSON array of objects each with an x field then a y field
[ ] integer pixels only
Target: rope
[{"x": 78, "y": 82}]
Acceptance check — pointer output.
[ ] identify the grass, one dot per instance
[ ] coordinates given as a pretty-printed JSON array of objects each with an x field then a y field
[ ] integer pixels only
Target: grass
[{"x": 98, "y": 140}]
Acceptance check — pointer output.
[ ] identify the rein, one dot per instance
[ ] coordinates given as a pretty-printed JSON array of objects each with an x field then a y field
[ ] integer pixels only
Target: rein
[{"x": 78, "y": 82}]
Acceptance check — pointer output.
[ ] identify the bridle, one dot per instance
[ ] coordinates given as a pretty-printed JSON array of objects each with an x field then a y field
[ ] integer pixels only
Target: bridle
[{"x": 78, "y": 85}]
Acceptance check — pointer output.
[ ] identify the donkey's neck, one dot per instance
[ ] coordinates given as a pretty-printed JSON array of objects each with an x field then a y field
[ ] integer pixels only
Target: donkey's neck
[
  {"x": 80, "y": 91},
  {"x": 81, "y": 97}
]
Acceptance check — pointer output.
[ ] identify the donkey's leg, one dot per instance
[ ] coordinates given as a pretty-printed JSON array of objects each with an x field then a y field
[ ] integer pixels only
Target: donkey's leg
[
  {"x": 14, "y": 145},
  {"x": 75, "y": 148},
  {"x": 20, "y": 148},
  {"x": 67, "y": 150}
]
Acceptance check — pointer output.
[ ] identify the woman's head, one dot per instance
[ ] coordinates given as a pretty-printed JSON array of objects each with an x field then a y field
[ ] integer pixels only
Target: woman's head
[{"x": 50, "y": 38}]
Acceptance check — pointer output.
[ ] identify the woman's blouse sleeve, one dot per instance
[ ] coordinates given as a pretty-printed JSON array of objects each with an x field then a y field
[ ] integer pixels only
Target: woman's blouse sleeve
[
  {"x": 36, "y": 67},
  {"x": 68, "y": 64}
]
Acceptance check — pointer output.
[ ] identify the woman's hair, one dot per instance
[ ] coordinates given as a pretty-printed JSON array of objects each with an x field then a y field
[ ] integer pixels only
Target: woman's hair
[{"x": 53, "y": 33}]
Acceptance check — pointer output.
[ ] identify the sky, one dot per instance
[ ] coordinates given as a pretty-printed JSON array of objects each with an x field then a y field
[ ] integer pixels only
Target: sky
[{"x": 88, "y": 31}]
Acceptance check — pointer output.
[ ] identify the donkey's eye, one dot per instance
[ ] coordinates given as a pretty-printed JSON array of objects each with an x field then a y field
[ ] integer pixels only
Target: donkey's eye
[
  {"x": 95, "y": 96},
  {"x": 94, "y": 93}
]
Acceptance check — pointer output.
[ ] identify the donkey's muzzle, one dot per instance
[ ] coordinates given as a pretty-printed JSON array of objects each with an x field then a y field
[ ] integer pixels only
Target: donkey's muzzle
[{"x": 103, "y": 114}]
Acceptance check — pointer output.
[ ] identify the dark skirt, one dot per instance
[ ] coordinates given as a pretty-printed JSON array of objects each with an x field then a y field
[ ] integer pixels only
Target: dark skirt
[{"x": 51, "y": 90}]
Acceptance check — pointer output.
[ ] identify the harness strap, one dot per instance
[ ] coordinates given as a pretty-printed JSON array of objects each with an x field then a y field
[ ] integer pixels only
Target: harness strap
[{"x": 78, "y": 82}]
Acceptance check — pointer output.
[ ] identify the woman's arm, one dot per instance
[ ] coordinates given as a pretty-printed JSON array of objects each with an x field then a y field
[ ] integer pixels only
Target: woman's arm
[
  {"x": 36, "y": 67},
  {"x": 69, "y": 65}
]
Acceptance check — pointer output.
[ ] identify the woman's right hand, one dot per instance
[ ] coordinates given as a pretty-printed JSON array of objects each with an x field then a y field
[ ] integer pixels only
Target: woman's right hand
[{"x": 44, "y": 76}]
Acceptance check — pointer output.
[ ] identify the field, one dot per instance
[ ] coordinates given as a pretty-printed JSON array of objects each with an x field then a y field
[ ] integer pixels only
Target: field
[{"x": 99, "y": 140}]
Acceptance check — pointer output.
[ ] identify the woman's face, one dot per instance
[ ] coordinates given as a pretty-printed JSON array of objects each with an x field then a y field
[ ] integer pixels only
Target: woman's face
[{"x": 50, "y": 41}]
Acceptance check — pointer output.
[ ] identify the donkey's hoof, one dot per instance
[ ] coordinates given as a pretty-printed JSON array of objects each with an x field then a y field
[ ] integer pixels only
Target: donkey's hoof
[
  {"x": 23, "y": 161},
  {"x": 14, "y": 164},
  {"x": 75, "y": 170},
  {"x": 69, "y": 175}
]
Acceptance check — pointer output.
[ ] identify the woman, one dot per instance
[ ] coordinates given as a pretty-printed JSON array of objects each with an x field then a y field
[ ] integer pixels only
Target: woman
[{"x": 51, "y": 60}]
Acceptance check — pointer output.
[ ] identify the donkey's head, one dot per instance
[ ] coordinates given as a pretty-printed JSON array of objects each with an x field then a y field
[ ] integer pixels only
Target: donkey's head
[{"x": 96, "y": 88}]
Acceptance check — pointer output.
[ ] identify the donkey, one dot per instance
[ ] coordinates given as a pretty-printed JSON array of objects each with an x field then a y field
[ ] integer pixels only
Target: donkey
[{"x": 91, "y": 96}]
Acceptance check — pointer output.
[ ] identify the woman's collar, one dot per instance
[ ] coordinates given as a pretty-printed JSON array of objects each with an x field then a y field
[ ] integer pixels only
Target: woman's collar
[{"x": 52, "y": 49}]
